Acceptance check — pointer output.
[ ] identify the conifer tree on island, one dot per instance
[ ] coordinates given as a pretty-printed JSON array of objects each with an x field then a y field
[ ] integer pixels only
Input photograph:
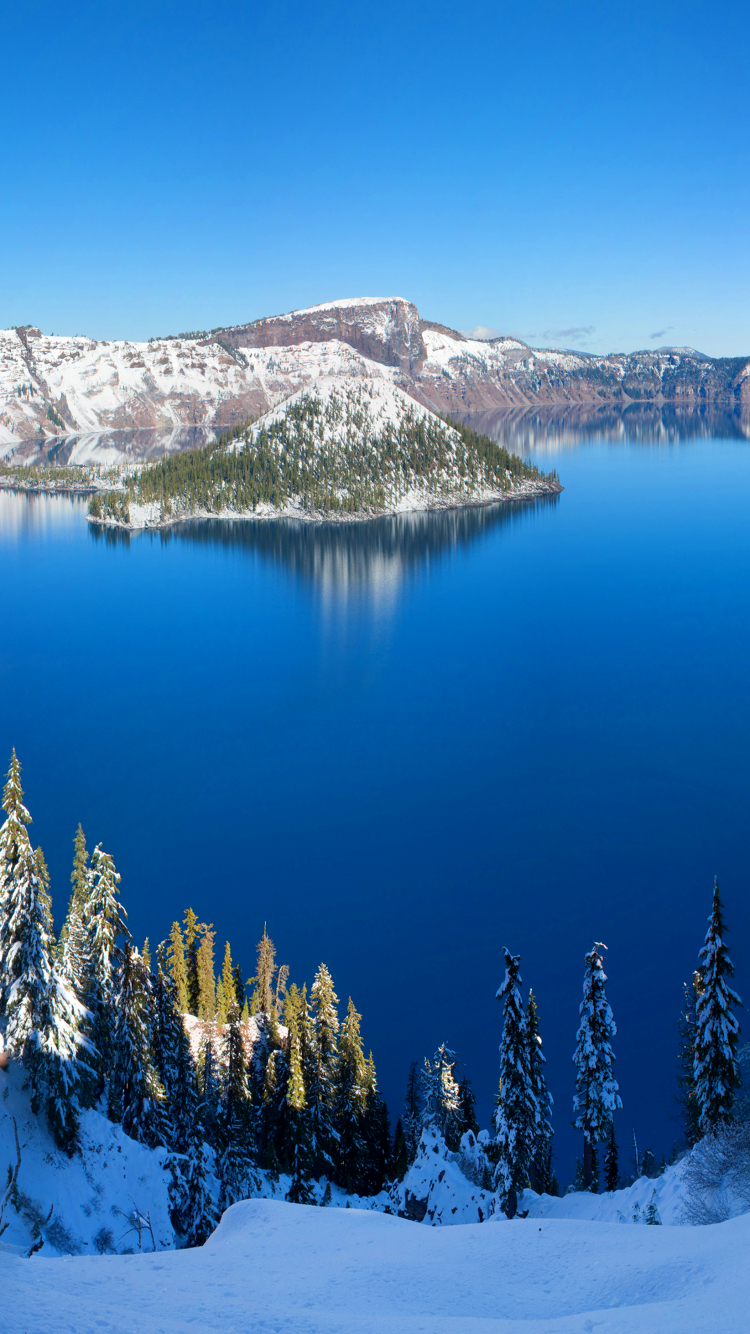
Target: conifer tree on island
[
  {"x": 517, "y": 1114},
  {"x": 596, "y": 1096},
  {"x": 715, "y": 1068}
]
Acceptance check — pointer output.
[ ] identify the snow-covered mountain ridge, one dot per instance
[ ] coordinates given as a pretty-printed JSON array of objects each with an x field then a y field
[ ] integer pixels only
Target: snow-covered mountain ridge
[{"x": 52, "y": 385}]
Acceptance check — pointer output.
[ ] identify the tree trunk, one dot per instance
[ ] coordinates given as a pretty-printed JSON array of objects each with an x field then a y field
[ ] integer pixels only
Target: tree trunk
[{"x": 588, "y": 1163}]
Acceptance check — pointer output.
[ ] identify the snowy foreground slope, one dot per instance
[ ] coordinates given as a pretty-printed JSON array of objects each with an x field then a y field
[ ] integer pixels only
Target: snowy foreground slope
[{"x": 277, "y": 1266}]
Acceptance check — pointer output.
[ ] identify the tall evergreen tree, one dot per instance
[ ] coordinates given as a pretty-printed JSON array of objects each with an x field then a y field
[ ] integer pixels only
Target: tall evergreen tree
[
  {"x": 298, "y": 1148},
  {"x": 42, "y": 1014},
  {"x": 225, "y": 990},
  {"x": 467, "y": 1107},
  {"x": 263, "y": 997},
  {"x": 192, "y": 935},
  {"x": 377, "y": 1167},
  {"x": 104, "y": 919},
  {"x": 235, "y": 1148},
  {"x": 686, "y": 1095},
  {"x": 74, "y": 949},
  {"x": 350, "y": 1101},
  {"x": 441, "y": 1096},
  {"x": 209, "y": 1085},
  {"x": 540, "y": 1163},
  {"x": 517, "y": 1113},
  {"x": 167, "y": 1032},
  {"x": 411, "y": 1116},
  {"x": 79, "y": 883},
  {"x": 178, "y": 968},
  {"x": 715, "y": 1068},
  {"x": 596, "y": 1096},
  {"x": 239, "y": 988},
  {"x": 134, "y": 1092},
  {"x": 321, "y": 1082},
  {"x": 206, "y": 979},
  {"x": 191, "y": 1207}
]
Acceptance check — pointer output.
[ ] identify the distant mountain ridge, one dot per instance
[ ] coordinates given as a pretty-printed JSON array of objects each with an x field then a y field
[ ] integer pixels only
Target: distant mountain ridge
[{"x": 51, "y": 386}]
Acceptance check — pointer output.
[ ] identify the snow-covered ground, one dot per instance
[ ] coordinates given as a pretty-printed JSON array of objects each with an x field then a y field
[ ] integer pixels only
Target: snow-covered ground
[
  {"x": 576, "y": 1263},
  {"x": 273, "y": 1266}
]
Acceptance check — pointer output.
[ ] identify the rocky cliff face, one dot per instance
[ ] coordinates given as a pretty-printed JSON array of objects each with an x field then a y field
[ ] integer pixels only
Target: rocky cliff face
[
  {"x": 387, "y": 331},
  {"x": 59, "y": 386}
]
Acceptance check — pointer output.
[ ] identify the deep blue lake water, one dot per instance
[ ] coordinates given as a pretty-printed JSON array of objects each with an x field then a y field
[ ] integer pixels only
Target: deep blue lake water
[{"x": 406, "y": 744}]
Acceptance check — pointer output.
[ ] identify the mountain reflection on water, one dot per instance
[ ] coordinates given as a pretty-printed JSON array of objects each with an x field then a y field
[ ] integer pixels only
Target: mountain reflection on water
[
  {"x": 341, "y": 559},
  {"x": 547, "y": 429},
  {"x": 521, "y": 429}
]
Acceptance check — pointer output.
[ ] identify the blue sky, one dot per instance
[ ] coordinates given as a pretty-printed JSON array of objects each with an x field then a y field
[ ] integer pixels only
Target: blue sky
[{"x": 573, "y": 173}]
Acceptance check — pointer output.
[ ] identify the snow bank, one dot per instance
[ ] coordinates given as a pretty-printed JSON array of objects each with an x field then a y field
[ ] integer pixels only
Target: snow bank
[
  {"x": 90, "y": 1195},
  {"x": 274, "y": 1266}
]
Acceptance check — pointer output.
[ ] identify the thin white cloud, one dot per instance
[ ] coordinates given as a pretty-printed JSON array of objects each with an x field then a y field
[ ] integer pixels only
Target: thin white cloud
[
  {"x": 481, "y": 332},
  {"x": 580, "y": 333}
]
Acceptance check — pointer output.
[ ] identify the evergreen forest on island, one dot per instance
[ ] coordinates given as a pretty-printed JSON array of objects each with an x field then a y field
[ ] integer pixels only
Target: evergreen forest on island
[
  {"x": 330, "y": 456},
  {"x": 245, "y": 1080}
]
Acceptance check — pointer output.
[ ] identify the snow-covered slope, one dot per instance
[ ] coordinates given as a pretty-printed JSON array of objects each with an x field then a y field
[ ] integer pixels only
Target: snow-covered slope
[
  {"x": 60, "y": 386},
  {"x": 80, "y": 1205},
  {"x": 273, "y": 1266}
]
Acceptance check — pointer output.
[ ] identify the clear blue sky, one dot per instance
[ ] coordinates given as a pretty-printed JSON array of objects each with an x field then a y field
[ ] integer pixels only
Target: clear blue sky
[{"x": 577, "y": 174}]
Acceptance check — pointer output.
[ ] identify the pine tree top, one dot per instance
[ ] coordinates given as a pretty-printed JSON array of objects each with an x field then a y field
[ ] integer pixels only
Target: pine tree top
[{"x": 13, "y": 793}]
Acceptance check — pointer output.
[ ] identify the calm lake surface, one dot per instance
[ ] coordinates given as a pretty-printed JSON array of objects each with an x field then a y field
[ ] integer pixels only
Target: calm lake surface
[{"x": 406, "y": 744}]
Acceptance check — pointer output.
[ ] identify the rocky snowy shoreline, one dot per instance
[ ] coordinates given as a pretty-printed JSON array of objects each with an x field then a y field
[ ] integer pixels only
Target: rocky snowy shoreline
[{"x": 143, "y": 517}]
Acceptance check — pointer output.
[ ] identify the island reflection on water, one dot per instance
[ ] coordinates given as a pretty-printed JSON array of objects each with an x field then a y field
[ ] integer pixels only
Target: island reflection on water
[{"x": 342, "y": 560}]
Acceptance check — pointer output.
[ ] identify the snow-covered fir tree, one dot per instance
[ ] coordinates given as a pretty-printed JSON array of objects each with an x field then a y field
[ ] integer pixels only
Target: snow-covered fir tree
[
  {"x": 321, "y": 1083},
  {"x": 43, "y": 1016},
  {"x": 79, "y": 883},
  {"x": 192, "y": 1210},
  {"x": 105, "y": 921},
  {"x": 715, "y": 1067},
  {"x": 134, "y": 1091},
  {"x": 596, "y": 1094},
  {"x": 167, "y": 1034},
  {"x": 517, "y": 1114},
  {"x": 540, "y": 1168},
  {"x": 235, "y": 1157},
  {"x": 75, "y": 948},
  {"x": 298, "y": 1146},
  {"x": 441, "y": 1095}
]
